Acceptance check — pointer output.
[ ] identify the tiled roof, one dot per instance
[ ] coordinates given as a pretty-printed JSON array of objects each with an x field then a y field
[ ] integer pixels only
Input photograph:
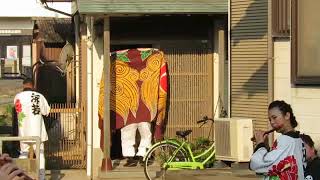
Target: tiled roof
[{"x": 55, "y": 30}]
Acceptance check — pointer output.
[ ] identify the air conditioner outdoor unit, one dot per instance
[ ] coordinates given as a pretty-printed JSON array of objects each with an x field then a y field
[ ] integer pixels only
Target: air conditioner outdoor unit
[{"x": 232, "y": 139}]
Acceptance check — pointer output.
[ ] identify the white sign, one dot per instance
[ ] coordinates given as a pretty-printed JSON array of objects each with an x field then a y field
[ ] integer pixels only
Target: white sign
[
  {"x": 26, "y": 55},
  {"x": 10, "y": 31},
  {"x": 12, "y": 52}
]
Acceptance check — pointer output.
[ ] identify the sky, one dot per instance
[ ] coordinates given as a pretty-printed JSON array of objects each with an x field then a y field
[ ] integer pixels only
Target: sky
[{"x": 31, "y": 8}]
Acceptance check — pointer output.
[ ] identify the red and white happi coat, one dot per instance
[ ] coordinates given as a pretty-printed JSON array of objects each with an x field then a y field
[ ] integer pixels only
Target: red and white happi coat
[
  {"x": 30, "y": 106},
  {"x": 285, "y": 161}
]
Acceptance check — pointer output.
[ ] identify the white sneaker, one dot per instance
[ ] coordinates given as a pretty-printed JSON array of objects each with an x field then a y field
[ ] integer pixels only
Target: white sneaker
[{"x": 42, "y": 174}]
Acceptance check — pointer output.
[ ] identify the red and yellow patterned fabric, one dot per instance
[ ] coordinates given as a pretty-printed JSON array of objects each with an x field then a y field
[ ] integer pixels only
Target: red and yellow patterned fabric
[{"x": 138, "y": 88}]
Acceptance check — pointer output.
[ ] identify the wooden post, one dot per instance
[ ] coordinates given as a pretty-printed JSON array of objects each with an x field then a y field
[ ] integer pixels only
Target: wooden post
[
  {"x": 19, "y": 60},
  {"x": 106, "y": 162},
  {"x": 31, "y": 151},
  {"x": 2, "y": 57}
]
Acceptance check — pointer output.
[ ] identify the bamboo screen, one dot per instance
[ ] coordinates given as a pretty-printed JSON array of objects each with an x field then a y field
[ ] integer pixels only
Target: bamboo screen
[{"x": 190, "y": 95}]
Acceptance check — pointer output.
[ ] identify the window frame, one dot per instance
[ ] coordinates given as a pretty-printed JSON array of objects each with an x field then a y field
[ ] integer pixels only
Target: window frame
[{"x": 295, "y": 78}]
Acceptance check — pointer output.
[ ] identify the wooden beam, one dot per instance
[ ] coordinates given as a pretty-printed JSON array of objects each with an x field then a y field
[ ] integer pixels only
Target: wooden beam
[{"x": 106, "y": 162}]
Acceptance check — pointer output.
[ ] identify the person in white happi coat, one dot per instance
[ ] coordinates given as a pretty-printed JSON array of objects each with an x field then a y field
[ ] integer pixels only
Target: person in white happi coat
[
  {"x": 287, "y": 157},
  {"x": 30, "y": 106}
]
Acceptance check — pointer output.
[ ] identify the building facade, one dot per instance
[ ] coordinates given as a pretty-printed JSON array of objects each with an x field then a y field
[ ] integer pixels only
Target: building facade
[
  {"x": 274, "y": 56},
  {"x": 16, "y": 30},
  {"x": 192, "y": 36}
]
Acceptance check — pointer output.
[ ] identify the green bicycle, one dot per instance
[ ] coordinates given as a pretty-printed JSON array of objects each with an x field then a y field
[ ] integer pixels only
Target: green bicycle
[{"x": 173, "y": 154}]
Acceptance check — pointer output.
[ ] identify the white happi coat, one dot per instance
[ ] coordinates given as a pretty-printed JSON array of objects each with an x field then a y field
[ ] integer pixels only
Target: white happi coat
[
  {"x": 286, "y": 160},
  {"x": 30, "y": 106}
]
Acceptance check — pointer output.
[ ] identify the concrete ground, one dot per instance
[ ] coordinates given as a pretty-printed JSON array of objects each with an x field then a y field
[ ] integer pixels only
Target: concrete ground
[
  {"x": 66, "y": 175},
  {"x": 236, "y": 172},
  {"x": 137, "y": 174},
  {"x": 212, "y": 174}
]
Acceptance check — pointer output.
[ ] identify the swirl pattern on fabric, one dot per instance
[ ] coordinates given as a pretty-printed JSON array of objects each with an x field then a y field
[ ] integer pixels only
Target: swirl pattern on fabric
[
  {"x": 150, "y": 85},
  {"x": 124, "y": 89},
  {"x": 138, "y": 87}
]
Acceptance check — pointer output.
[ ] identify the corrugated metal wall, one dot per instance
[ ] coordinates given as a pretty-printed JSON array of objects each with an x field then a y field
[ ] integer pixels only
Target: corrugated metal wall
[{"x": 249, "y": 62}]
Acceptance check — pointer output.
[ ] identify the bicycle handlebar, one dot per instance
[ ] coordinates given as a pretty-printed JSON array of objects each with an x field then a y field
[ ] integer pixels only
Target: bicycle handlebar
[{"x": 204, "y": 120}]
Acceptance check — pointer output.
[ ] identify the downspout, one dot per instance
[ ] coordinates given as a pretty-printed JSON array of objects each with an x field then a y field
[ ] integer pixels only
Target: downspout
[
  {"x": 229, "y": 59},
  {"x": 270, "y": 62},
  {"x": 45, "y": 5},
  {"x": 90, "y": 99},
  {"x": 91, "y": 134},
  {"x": 77, "y": 57}
]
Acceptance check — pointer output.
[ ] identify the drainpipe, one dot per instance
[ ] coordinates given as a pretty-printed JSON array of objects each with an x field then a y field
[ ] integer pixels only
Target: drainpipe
[
  {"x": 77, "y": 57},
  {"x": 90, "y": 99},
  {"x": 45, "y": 5},
  {"x": 270, "y": 63},
  {"x": 229, "y": 59}
]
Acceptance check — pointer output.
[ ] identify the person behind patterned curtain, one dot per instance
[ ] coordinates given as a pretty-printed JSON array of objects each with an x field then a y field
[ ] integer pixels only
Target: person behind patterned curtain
[
  {"x": 287, "y": 158},
  {"x": 30, "y": 106},
  {"x": 138, "y": 97}
]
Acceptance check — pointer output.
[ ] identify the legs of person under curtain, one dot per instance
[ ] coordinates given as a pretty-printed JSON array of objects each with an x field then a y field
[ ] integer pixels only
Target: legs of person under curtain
[
  {"x": 145, "y": 142},
  {"x": 128, "y": 139}
]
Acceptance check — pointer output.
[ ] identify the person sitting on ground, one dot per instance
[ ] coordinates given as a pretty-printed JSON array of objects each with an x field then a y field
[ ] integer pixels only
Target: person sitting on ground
[
  {"x": 9, "y": 171},
  {"x": 312, "y": 172}
]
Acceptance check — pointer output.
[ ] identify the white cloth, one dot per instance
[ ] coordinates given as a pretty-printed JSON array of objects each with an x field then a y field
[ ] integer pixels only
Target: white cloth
[
  {"x": 25, "y": 152},
  {"x": 128, "y": 139},
  {"x": 30, "y": 106},
  {"x": 286, "y": 150}
]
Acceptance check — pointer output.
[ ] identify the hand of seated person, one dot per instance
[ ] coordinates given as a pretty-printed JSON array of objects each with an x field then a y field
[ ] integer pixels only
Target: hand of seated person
[
  {"x": 5, "y": 158},
  {"x": 10, "y": 171},
  {"x": 11, "y": 168}
]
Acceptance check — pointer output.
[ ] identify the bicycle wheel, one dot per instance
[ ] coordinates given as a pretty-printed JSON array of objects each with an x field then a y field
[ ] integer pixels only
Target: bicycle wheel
[{"x": 157, "y": 156}]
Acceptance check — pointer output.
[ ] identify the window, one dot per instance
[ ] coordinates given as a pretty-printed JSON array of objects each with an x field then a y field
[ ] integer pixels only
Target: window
[{"x": 305, "y": 43}]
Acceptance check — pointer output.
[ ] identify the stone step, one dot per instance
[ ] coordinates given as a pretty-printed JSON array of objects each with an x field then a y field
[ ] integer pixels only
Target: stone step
[{"x": 28, "y": 165}]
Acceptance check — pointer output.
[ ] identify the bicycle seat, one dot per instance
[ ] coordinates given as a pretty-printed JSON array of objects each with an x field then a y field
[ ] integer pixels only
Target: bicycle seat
[{"x": 183, "y": 134}]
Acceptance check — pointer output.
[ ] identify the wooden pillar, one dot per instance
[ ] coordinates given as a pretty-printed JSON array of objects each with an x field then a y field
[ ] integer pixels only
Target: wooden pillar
[
  {"x": 19, "y": 60},
  {"x": 2, "y": 57},
  {"x": 219, "y": 70},
  {"x": 106, "y": 162},
  {"x": 223, "y": 64}
]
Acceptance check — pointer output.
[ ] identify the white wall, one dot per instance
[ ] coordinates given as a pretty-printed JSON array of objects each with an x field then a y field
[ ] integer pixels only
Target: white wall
[
  {"x": 95, "y": 61},
  {"x": 97, "y": 72},
  {"x": 305, "y": 101},
  {"x": 32, "y": 8}
]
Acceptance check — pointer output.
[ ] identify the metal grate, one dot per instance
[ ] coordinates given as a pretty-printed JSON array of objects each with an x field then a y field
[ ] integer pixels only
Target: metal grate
[
  {"x": 222, "y": 138},
  {"x": 281, "y": 18},
  {"x": 66, "y": 145}
]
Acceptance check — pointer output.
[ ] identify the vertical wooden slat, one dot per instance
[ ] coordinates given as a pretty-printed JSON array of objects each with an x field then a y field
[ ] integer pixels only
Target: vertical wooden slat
[{"x": 65, "y": 148}]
